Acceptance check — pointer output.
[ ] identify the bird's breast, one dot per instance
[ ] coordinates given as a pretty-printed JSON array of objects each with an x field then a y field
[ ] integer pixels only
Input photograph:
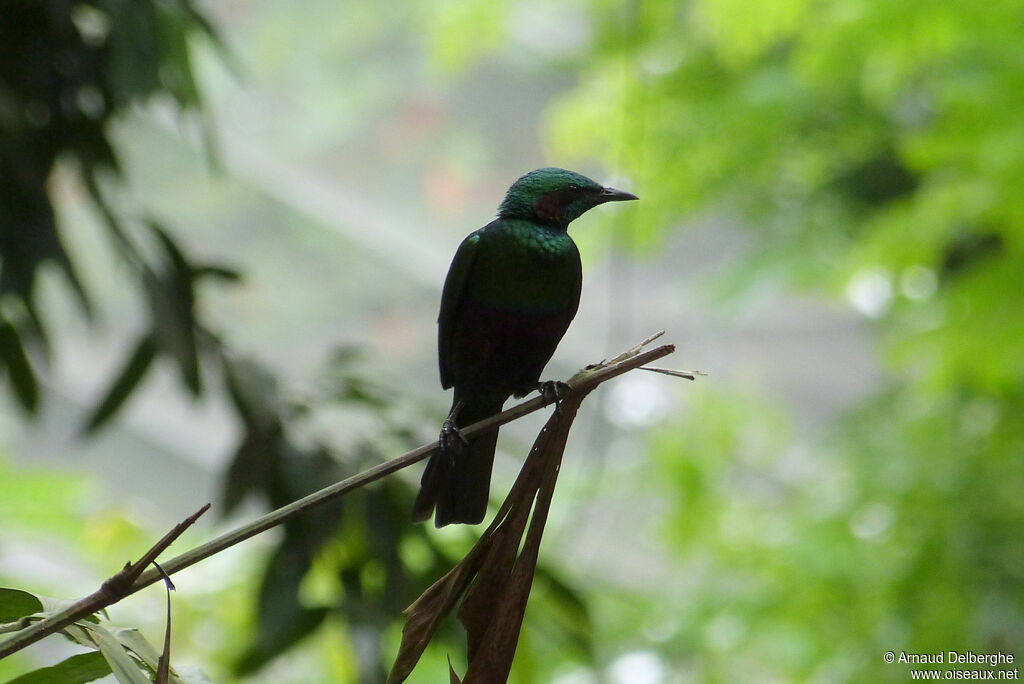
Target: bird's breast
[{"x": 526, "y": 268}]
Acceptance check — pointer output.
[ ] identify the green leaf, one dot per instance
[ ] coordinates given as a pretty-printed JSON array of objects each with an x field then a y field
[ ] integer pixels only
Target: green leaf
[
  {"x": 28, "y": 232},
  {"x": 251, "y": 466},
  {"x": 15, "y": 603},
  {"x": 452, "y": 677},
  {"x": 124, "y": 667},
  {"x": 253, "y": 391},
  {"x": 78, "y": 634},
  {"x": 127, "y": 380},
  {"x": 172, "y": 300},
  {"x": 176, "y": 73},
  {"x": 283, "y": 619},
  {"x": 179, "y": 263},
  {"x": 270, "y": 644},
  {"x": 132, "y": 42},
  {"x": 84, "y": 667},
  {"x": 132, "y": 639},
  {"x": 19, "y": 368}
]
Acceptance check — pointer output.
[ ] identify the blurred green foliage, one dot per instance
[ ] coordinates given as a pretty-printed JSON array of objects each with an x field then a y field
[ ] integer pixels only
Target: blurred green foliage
[
  {"x": 67, "y": 70},
  {"x": 857, "y": 141}
]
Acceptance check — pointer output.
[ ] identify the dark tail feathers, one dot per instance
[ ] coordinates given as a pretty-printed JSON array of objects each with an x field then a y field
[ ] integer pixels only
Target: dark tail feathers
[{"x": 457, "y": 483}]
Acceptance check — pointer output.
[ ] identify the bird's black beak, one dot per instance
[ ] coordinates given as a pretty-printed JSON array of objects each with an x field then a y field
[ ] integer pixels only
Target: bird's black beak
[{"x": 613, "y": 195}]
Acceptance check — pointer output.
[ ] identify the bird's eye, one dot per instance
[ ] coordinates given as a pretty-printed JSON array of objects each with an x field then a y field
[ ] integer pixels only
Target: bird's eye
[{"x": 574, "y": 187}]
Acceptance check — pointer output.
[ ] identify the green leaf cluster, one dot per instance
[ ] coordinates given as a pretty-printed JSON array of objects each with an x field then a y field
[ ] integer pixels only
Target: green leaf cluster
[
  {"x": 68, "y": 70},
  {"x": 125, "y": 653}
]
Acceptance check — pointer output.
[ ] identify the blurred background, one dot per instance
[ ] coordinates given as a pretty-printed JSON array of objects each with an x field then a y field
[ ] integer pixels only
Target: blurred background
[{"x": 225, "y": 227}]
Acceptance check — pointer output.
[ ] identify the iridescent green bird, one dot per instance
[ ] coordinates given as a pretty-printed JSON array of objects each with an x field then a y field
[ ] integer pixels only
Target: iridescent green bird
[{"x": 511, "y": 292}]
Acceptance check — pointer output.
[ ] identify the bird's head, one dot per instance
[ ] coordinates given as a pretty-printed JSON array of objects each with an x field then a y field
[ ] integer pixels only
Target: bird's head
[{"x": 555, "y": 197}]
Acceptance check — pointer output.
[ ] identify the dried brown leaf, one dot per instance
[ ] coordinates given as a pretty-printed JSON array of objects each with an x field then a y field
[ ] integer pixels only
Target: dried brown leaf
[
  {"x": 495, "y": 583},
  {"x": 426, "y": 612},
  {"x": 498, "y": 608}
]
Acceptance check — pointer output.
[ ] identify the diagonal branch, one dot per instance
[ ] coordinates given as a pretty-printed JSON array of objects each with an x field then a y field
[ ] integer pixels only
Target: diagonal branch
[
  {"x": 584, "y": 381},
  {"x": 112, "y": 590}
]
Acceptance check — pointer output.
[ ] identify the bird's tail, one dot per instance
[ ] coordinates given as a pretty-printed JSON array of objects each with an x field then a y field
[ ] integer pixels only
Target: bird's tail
[{"x": 457, "y": 482}]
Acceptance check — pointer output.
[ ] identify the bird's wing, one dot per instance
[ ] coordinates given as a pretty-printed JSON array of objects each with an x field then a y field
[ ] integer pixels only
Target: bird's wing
[
  {"x": 452, "y": 296},
  {"x": 574, "y": 302}
]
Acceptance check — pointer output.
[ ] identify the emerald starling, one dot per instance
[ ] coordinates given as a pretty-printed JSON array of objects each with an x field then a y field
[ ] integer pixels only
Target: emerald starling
[{"x": 511, "y": 292}]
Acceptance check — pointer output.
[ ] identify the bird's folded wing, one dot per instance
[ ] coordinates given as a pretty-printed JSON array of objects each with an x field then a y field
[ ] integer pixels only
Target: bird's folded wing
[{"x": 452, "y": 296}]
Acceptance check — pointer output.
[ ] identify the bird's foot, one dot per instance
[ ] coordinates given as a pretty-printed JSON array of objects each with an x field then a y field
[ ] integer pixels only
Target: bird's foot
[
  {"x": 450, "y": 436},
  {"x": 553, "y": 391}
]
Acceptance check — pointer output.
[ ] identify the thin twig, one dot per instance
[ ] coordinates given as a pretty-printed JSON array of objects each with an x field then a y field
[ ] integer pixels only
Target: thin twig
[
  {"x": 110, "y": 592},
  {"x": 634, "y": 350},
  {"x": 688, "y": 375},
  {"x": 585, "y": 381}
]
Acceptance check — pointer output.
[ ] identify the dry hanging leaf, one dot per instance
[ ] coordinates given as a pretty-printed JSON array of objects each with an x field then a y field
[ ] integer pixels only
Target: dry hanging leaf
[
  {"x": 492, "y": 660},
  {"x": 492, "y": 582}
]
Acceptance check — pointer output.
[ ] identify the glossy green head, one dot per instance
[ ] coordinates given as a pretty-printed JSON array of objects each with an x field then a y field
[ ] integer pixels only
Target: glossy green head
[{"x": 555, "y": 197}]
